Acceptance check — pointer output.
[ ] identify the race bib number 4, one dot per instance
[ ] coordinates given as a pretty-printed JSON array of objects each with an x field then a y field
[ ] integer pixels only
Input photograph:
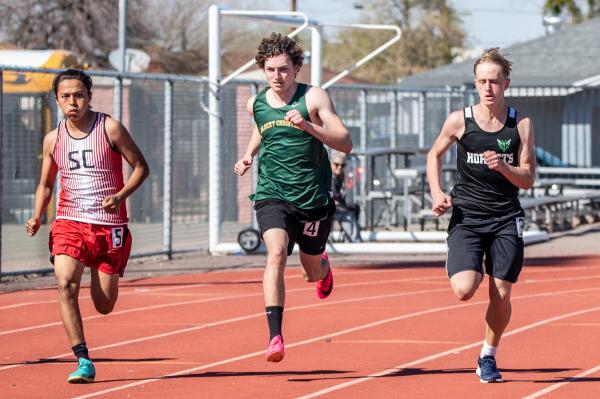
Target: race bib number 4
[
  {"x": 117, "y": 236},
  {"x": 311, "y": 229}
]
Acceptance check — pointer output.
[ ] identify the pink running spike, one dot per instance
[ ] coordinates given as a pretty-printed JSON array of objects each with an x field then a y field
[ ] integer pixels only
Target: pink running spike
[
  {"x": 276, "y": 351},
  {"x": 325, "y": 286}
]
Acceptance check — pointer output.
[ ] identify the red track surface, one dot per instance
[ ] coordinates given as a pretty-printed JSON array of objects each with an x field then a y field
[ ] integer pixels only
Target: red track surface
[{"x": 383, "y": 333}]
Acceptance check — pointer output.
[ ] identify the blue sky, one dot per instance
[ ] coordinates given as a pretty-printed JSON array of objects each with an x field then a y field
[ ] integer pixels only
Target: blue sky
[{"x": 487, "y": 22}]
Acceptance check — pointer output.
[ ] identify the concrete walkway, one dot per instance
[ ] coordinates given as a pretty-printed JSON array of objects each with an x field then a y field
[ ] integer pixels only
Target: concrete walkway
[{"x": 582, "y": 241}]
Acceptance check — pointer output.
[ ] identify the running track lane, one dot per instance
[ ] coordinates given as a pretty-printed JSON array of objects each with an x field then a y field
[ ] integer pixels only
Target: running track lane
[{"x": 305, "y": 345}]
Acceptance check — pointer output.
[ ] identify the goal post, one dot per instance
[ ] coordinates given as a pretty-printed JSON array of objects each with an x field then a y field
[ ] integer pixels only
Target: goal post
[{"x": 216, "y": 82}]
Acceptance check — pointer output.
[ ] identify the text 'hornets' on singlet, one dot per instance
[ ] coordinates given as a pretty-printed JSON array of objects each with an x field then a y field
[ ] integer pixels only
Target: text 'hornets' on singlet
[
  {"x": 90, "y": 170},
  {"x": 479, "y": 191},
  {"x": 293, "y": 165}
]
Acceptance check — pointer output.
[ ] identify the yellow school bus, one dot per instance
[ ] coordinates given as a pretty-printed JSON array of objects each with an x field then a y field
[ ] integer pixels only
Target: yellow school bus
[{"x": 28, "y": 82}]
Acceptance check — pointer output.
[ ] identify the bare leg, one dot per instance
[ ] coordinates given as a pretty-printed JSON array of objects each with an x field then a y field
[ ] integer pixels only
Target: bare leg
[
  {"x": 104, "y": 290},
  {"x": 465, "y": 284},
  {"x": 499, "y": 310},
  {"x": 68, "y": 272},
  {"x": 276, "y": 241},
  {"x": 314, "y": 267}
]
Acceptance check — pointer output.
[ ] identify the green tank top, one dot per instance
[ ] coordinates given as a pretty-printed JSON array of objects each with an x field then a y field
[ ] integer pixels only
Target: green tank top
[{"x": 293, "y": 165}]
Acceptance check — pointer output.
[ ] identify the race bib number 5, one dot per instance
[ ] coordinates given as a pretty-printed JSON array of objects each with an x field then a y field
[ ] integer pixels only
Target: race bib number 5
[
  {"x": 311, "y": 229},
  {"x": 520, "y": 226},
  {"x": 117, "y": 237}
]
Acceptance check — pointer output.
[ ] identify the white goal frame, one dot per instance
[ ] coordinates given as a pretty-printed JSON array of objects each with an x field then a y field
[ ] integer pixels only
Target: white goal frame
[{"x": 289, "y": 18}]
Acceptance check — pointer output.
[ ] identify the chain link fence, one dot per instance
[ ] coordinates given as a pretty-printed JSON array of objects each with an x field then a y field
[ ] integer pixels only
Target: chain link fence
[{"x": 169, "y": 212}]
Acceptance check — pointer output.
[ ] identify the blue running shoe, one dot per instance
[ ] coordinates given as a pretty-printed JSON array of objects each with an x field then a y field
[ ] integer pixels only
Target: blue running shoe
[
  {"x": 487, "y": 370},
  {"x": 84, "y": 374}
]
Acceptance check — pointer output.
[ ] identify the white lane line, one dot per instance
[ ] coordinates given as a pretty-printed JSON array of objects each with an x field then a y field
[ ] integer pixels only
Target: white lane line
[
  {"x": 549, "y": 268},
  {"x": 554, "y": 387},
  {"x": 236, "y": 319},
  {"x": 134, "y": 290},
  {"x": 18, "y": 305},
  {"x": 393, "y": 341},
  {"x": 550, "y": 280},
  {"x": 350, "y": 330},
  {"x": 195, "y": 301},
  {"x": 239, "y": 296},
  {"x": 442, "y": 354},
  {"x": 141, "y": 289}
]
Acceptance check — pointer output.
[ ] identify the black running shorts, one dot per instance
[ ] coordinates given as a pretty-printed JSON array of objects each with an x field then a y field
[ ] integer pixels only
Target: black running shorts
[
  {"x": 309, "y": 228},
  {"x": 499, "y": 239}
]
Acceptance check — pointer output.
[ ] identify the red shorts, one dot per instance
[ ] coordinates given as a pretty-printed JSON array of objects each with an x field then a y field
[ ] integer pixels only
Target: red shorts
[{"x": 104, "y": 247}]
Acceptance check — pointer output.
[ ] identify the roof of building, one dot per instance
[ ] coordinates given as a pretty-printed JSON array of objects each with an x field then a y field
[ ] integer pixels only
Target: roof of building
[{"x": 568, "y": 57}]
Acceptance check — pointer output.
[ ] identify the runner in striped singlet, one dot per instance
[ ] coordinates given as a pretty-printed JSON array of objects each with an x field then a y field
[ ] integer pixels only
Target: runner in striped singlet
[
  {"x": 495, "y": 158},
  {"x": 292, "y": 199},
  {"x": 91, "y": 221}
]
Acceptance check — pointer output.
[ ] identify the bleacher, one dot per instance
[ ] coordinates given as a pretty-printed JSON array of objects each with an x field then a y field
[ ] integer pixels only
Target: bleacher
[{"x": 394, "y": 192}]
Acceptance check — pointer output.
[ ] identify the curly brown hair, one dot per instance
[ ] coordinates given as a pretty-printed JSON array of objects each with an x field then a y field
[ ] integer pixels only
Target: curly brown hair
[
  {"x": 493, "y": 56},
  {"x": 277, "y": 44}
]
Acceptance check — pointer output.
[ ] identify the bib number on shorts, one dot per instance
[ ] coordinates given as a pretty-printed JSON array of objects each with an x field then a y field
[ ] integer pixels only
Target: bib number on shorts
[
  {"x": 311, "y": 229},
  {"x": 117, "y": 236},
  {"x": 520, "y": 221}
]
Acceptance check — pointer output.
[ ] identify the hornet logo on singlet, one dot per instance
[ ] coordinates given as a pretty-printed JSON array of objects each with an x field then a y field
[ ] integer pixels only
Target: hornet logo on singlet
[
  {"x": 503, "y": 144},
  {"x": 475, "y": 158}
]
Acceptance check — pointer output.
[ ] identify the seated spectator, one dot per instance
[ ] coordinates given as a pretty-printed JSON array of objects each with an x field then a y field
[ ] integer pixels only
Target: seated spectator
[{"x": 346, "y": 214}]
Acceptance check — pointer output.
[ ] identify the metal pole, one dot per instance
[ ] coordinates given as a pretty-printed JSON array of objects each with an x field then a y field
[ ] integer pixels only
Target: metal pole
[
  {"x": 364, "y": 159},
  {"x": 448, "y": 111},
  {"x": 394, "y": 144},
  {"x": 394, "y": 124},
  {"x": 254, "y": 91},
  {"x": 1, "y": 161},
  {"x": 117, "y": 99},
  {"x": 422, "y": 121},
  {"x": 122, "y": 33},
  {"x": 293, "y": 8},
  {"x": 168, "y": 170},
  {"x": 214, "y": 128},
  {"x": 369, "y": 56},
  {"x": 118, "y": 106},
  {"x": 275, "y": 16},
  {"x": 316, "y": 56}
]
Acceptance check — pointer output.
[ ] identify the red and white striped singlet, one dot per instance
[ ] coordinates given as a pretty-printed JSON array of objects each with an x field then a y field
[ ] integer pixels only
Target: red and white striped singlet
[{"x": 90, "y": 169}]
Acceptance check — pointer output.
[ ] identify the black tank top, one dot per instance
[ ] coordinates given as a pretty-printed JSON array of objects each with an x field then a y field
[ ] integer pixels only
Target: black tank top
[{"x": 481, "y": 192}]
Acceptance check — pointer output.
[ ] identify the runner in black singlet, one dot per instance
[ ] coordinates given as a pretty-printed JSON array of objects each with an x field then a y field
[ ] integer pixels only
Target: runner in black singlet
[{"x": 495, "y": 158}]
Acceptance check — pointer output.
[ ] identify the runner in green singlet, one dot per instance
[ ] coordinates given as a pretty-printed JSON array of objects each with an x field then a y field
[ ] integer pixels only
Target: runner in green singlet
[{"x": 293, "y": 205}]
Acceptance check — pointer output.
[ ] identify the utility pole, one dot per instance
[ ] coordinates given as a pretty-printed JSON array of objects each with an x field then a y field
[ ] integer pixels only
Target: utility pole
[{"x": 293, "y": 8}]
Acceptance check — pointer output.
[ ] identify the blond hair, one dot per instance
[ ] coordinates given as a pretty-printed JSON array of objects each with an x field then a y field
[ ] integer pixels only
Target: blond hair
[{"x": 493, "y": 56}]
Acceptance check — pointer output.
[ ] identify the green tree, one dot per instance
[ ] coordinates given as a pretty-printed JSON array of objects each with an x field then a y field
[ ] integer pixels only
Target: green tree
[{"x": 430, "y": 31}]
